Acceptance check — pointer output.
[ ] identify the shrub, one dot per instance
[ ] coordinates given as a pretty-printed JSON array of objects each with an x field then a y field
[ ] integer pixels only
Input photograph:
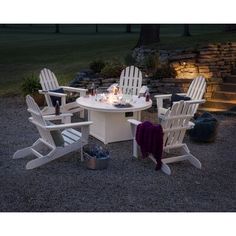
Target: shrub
[
  {"x": 30, "y": 84},
  {"x": 97, "y": 65},
  {"x": 129, "y": 60},
  {"x": 164, "y": 71},
  {"x": 151, "y": 62},
  {"x": 112, "y": 69}
]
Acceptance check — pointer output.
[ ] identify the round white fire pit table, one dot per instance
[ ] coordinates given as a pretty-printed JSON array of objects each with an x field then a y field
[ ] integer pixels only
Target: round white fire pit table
[{"x": 110, "y": 121}]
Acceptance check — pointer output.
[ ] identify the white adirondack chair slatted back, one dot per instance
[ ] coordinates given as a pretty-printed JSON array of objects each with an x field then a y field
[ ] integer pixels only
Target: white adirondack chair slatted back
[
  {"x": 38, "y": 119},
  {"x": 131, "y": 80},
  {"x": 48, "y": 82},
  {"x": 175, "y": 124},
  {"x": 196, "y": 90}
]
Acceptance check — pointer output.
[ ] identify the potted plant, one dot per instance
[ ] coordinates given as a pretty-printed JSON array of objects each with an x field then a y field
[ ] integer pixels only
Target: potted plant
[
  {"x": 96, "y": 157},
  {"x": 30, "y": 85}
]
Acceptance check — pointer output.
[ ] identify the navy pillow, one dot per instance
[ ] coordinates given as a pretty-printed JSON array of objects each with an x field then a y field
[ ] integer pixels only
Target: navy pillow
[
  {"x": 176, "y": 98},
  {"x": 54, "y": 99},
  {"x": 205, "y": 129}
]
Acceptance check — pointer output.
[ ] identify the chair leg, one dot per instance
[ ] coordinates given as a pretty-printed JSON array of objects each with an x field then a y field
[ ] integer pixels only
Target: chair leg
[
  {"x": 42, "y": 160},
  {"x": 192, "y": 159},
  {"x": 135, "y": 145},
  {"x": 135, "y": 149},
  {"x": 26, "y": 151},
  {"x": 81, "y": 114},
  {"x": 52, "y": 155},
  {"x": 82, "y": 154},
  {"x": 22, "y": 153},
  {"x": 185, "y": 155},
  {"x": 164, "y": 168}
]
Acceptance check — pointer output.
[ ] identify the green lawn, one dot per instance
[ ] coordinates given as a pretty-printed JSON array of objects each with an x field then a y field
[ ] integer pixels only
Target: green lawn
[{"x": 25, "y": 49}]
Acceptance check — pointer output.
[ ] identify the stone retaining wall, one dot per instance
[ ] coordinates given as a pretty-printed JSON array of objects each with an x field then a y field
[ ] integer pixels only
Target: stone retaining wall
[
  {"x": 177, "y": 86},
  {"x": 211, "y": 61}
]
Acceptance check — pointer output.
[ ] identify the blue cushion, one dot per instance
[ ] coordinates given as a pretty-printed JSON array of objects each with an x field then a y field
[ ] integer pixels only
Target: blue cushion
[
  {"x": 176, "y": 98},
  {"x": 54, "y": 99},
  {"x": 205, "y": 129}
]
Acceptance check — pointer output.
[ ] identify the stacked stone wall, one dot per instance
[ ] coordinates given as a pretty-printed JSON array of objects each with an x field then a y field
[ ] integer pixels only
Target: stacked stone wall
[{"x": 210, "y": 61}]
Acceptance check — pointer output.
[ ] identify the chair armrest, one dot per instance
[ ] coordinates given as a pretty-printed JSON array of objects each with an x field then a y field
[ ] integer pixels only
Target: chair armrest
[
  {"x": 56, "y": 94},
  {"x": 43, "y": 91},
  {"x": 61, "y": 126},
  {"x": 160, "y": 99},
  {"x": 163, "y": 96},
  {"x": 199, "y": 101},
  {"x": 75, "y": 90},
  {"x": 57, "y": 117},
  {"x": 46, "y": 92},
  {"x": 134, "y": 122},
  {"x": 70, "y": 125}
]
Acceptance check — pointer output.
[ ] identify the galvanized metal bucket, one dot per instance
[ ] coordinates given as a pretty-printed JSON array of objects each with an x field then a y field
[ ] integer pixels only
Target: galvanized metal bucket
[{"x": 94, "y": 163}]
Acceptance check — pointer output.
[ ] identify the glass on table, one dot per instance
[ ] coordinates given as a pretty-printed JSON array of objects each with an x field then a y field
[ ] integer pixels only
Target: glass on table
[{"x": 99, "y": 95}]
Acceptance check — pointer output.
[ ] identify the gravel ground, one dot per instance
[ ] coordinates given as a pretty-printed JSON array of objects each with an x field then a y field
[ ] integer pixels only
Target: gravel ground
[{"x": 128, "y": 185}]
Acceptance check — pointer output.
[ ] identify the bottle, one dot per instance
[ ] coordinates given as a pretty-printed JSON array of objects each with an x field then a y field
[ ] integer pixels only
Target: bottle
[
  {"x": 93, "y": 89},
  {"x": 147, "y": 95},
  {"x": 57, "y": 108}
]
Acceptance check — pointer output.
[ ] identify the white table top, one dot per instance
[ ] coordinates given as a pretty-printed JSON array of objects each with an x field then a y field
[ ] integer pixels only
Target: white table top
[{"x": 90, "y": 103}]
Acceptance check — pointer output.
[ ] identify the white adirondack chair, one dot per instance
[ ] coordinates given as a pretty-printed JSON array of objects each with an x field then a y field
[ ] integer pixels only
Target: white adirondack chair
[
  {"x": 73, "y": 139},
  {"x": 49, "y": 82},
  {"x": 195, "y": 92},
  {"x": 130, "y": 81},
  {"x": 174, "y": 124}
]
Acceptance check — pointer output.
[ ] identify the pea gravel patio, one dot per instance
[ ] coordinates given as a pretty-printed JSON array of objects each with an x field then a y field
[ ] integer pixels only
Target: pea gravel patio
[{"x": 128, "y": 185}]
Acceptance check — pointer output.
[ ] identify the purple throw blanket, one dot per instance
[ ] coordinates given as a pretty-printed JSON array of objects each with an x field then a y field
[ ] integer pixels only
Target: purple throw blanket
[{"x": 150, "y": 139}]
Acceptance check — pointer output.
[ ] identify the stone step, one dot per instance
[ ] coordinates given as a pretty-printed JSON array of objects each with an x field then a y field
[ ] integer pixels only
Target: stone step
[
  {"x": 220, "y": 104},
  {"x": 230, "y": 87},
  {"x": 224, "y": 95},
  {"x": 230, "y": 79},
  {"x": 210, "y": 109},
  {"x": 216, "y": 110},
  {"x": 233, "y": 72}
]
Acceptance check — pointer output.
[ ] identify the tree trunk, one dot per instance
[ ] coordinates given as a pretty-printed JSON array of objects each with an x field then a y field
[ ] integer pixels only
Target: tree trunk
[
  {"x": 57, "y": 29},
  {"x": 149, "y": 34},
  {"x": 128, "y": 28},
  {"x": 186, "y": 30}
]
